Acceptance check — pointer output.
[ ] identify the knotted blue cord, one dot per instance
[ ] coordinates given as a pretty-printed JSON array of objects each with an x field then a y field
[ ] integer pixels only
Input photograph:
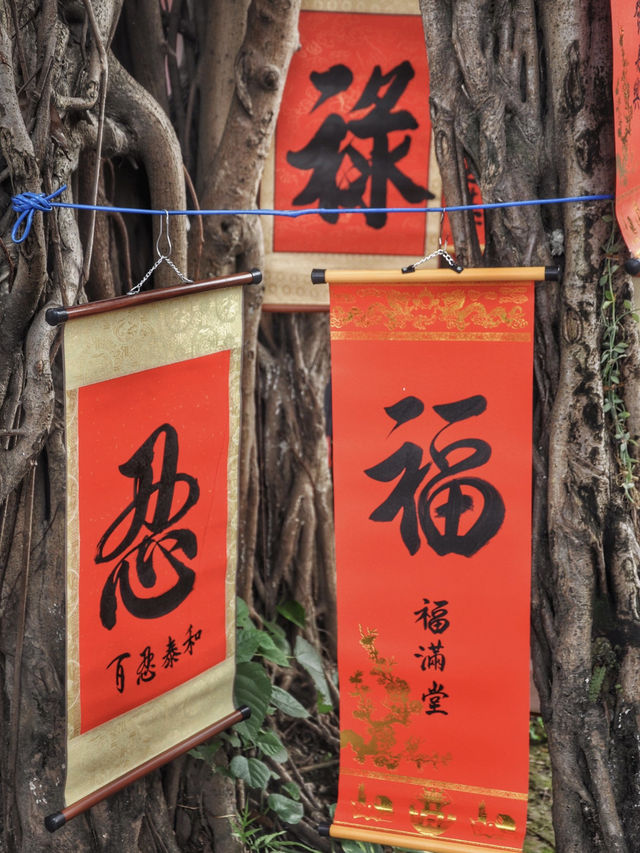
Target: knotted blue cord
[{"x": 26, "y": 205}]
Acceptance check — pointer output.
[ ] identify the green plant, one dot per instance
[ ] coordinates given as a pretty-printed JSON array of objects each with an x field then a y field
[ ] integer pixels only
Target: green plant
[
  {"x": 254, "y": 839},
  {"x": 537, "y": 731},
  {"x": 360, "y": 847},
  {"x": 258, "y": 747},
  {"x": 614, "y": 351}
]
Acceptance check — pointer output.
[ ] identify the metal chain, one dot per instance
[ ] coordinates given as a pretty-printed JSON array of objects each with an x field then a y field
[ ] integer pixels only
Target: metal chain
[
  {"x": 438, "y": 252},
  {"x": 161, "y": 257}
]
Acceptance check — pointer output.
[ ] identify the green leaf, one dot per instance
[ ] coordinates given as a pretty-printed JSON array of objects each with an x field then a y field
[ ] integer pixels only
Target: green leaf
[
  {"x": 360, "y": 847},
  {"x": 279, "y": 637},
  {"x": 292, "y": 790},
  {"x": 252, "y": 687},
  {"x": 243, "y": 620},
  {"x": 276, "y": 631},
  {"x": 311, "y": 661},
  {"x": 206, "y": 751},
  {"x": 270, "y": 651},
  {"x": 294, "y": 612},
  {"x": 270, "y": 745},
  {"x": 247, "y": 644},
  {"x": 252, "y": 771},
  {"x": 232, "y": 738},
  {"x": 287, "y": 809},
  {"x": 288, "y": 704}
]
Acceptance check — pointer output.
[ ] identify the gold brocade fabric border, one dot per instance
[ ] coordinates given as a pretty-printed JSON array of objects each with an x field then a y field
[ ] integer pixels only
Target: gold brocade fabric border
[
  {"x": 435, "y": 783},
  {"x": 106, "y": 346},
  {"x": 407, "y": 842},
  {"x": 431, "y": 312},
  {"x": 378, "y": 7},
  {"x": 517, "y": 337},
  {"x": 73, "y": 561}
]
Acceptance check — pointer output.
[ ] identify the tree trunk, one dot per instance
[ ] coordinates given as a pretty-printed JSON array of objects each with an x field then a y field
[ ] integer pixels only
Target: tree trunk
[
  {"x": 296, "y": 546},
  {"x": 67, "y": 103},
  {"x": 522, "y": 92}
]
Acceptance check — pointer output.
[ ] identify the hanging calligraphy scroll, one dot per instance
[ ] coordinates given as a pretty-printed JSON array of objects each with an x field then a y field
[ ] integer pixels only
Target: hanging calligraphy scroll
[
  {"x": 353, "y": 131},
  {"x": 625, "y": 19},
  {"x": 152, "y": 396},
  {"x": 432, "y": 386}
]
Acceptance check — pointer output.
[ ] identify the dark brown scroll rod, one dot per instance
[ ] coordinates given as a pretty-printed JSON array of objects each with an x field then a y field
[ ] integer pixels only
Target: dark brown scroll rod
[
  {"x": 59, "y": 314},
  {"x": 58, "y": 820}
]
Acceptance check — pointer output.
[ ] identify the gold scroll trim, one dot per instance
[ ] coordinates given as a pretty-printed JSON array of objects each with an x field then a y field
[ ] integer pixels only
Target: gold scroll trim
[
  {"x": 408, "y": 841},
  {"x": 73, "y": 563},
  {"x": 104, "y": 346},
  {"x": 378, "y": 7},
  {"x": 513, "y": 337},
  {"x": 101, "y": 755},
  {"x": 108, "y": 751},
  {"x": 433, "y": 783}
]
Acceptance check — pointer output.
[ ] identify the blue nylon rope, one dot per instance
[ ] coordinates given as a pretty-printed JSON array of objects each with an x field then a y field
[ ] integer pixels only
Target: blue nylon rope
[{"x": 26, "y": 205}]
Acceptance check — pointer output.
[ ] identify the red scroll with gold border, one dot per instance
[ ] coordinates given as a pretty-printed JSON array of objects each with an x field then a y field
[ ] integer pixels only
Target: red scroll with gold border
[
  {"x": 625, "y": 20},
  {"x": 353, "y": 131},
  {"x": 432, "y": 387},
  {"x": 152, "y": 420}
]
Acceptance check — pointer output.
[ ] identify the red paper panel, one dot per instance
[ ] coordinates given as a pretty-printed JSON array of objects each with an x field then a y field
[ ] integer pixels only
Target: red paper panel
[
  {"x": 432, "y": 466},
  {"x": 354, "y": 131},
  {"x": 625, "y": 18},
  {"x": 153, "y": 532}
]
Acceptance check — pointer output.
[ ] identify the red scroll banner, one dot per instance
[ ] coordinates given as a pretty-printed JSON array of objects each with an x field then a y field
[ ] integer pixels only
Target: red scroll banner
[
  {"x": 354, "y": 132},
  {"x": 625, "y": 20},
  {"x": 432, "y": 388},
  {"x": 152, "y": 421}
]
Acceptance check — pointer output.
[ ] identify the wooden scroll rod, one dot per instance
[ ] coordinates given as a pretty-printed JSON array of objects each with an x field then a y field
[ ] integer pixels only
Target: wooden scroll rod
[
  {"x": 57, "y": 820},
  {"x": 57, "y": 315},
  {"x": 479, "y": 275},
  {"x": 399, "y": 839}
]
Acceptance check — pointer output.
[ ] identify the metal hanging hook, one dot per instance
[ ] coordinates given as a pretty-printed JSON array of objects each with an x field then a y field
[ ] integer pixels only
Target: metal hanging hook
[
  {"x": 442, "y": 213},
  {"x": 162, "y": 255},
  {"x": 162, "y": 258},
  {"x": 440, "y": 251}
]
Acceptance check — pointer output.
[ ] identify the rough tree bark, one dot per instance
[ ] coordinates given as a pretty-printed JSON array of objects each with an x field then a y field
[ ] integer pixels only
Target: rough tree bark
[{"x": 521, "y": 91}]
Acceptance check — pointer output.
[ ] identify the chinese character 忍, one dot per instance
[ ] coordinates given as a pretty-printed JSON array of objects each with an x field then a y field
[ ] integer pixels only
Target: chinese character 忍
[
  {"x": 147, "y": 538},
  {"x": 146, "y": 667}
]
